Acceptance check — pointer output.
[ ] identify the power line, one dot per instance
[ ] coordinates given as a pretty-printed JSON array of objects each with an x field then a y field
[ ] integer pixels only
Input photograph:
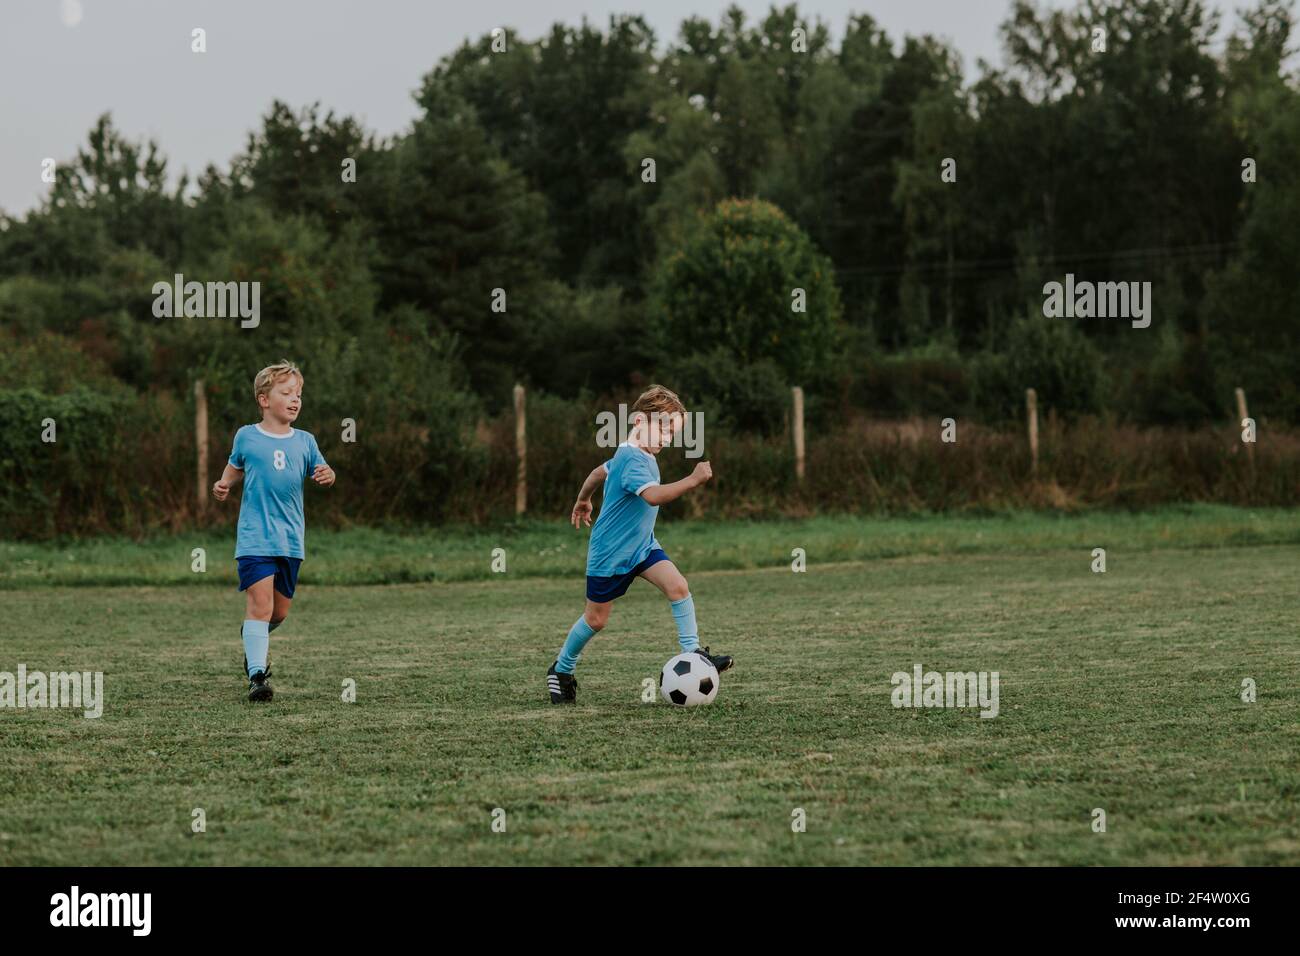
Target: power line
[{"x": 976, "y": 267}]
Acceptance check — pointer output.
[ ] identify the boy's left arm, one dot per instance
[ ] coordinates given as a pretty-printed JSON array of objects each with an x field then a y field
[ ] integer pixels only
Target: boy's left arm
[
  {"x": 657, "y": 495},
  {"x": 322, "y": 473}
]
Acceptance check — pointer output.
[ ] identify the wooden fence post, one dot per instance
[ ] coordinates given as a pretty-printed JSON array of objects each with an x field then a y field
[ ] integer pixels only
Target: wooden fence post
[
  {"x": 201, "y": 442},
  {"x": 521, "y": 453},
  {"x": 1242, "y": 415},
  {"x": 1031, "y": 407},
  {"x": 796, "y": 394}
]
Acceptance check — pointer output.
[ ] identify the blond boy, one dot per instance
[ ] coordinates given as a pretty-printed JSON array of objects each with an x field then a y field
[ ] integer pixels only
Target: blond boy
[
  {"x": 623, "y": 546},
  {"x": 273, "y": 459}
]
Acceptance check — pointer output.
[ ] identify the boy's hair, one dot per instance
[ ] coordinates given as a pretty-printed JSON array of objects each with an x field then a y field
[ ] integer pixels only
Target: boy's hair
[
  {"x": 266, "y": 379},
  {"x": 656, "y": 398}
]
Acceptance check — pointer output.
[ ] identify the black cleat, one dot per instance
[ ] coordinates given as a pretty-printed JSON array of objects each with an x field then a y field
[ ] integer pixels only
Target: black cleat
[
  {"x": 259, "y": 688},
  {"x": 563, "y": 687},
  {"x": 720, "y": 663}
]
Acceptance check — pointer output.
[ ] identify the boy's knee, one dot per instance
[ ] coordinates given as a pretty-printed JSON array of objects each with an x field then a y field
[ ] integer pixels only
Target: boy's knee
[
  {"x": 678, "y": 591},
  {"x": 596, "y": 620},
  {"x": 276, "y": 621}
]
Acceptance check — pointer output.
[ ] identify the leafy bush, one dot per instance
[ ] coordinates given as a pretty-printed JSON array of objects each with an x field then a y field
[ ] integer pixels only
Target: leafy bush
[
  {"x": 49, "y": 363},
  {"x": 933, "y": 380},
  {"x": 83, "y": 477},
  {"x": 730, "y": 286},
  {"x": 1048, "y": 355},
  {"x": 740, "y": 398},
  {"x": 1170, "y": 386}
]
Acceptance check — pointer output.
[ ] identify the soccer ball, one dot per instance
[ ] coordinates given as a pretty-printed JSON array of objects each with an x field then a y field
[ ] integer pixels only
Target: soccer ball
[{"x": 688, "y": 680}]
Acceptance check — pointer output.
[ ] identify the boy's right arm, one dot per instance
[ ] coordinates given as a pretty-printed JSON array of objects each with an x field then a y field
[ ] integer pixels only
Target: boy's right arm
[
  {"x": 582, "y": 508},
  {"x": 229, "y": 478}
]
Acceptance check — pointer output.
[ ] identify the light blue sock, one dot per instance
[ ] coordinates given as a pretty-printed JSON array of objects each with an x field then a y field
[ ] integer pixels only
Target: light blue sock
[
  {"x": 579, "y": 635},
  {"x": 687, "y": 632},
  {"x": 257, "y": 641}
]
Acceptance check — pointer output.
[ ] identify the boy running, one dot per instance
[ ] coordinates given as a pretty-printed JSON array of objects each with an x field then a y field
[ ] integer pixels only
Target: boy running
[
  {"x": 623, "y": 544},
  {"x": 274, "y": 459}
]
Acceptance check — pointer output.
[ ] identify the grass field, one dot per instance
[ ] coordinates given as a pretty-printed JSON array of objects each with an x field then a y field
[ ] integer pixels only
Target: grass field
[
  {"x": 1118, "y": 691},
  {"x": 550, "y": 549}
]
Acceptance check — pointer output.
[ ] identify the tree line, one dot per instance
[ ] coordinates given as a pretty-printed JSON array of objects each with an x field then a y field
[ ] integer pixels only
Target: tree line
[{"x": 513, "y": 234}]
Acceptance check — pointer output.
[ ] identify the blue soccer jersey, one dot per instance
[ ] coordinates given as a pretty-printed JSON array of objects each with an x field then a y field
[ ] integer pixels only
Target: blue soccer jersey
[
  {"x": 624, "y": 532},
  {"x": 271, "y": 520}
]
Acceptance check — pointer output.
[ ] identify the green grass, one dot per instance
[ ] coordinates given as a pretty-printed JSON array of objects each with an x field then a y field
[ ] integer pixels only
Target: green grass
[
  {"x": 549, "y": 549},
  {"x": 1118, "y": 690}
]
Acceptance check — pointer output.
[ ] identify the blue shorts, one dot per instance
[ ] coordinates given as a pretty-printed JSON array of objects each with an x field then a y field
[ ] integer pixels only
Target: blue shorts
[
  {"x": 601, "y": 590},
  {"x": 253, "y": 569}
]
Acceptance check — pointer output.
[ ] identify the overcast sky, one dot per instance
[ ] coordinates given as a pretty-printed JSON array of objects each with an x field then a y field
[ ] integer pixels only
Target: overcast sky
[{"x": 64, "y": 62}]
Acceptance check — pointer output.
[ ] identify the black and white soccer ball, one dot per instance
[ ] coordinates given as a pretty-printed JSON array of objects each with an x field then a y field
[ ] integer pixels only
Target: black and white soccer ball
[{"x": 689, "y": 680}]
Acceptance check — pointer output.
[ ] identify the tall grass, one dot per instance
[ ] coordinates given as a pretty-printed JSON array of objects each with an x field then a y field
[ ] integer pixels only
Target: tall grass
[{"x": 126, "y": 466}]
